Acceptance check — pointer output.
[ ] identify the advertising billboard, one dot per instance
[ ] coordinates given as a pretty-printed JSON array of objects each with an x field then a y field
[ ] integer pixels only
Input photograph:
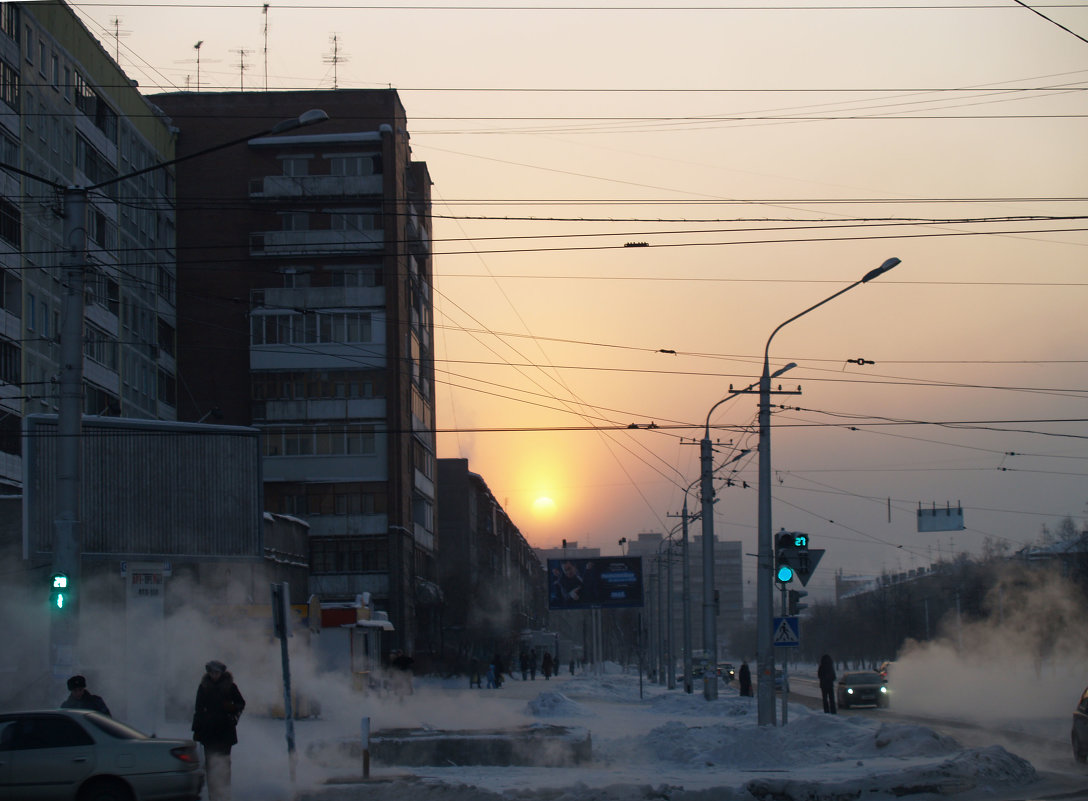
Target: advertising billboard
[{"x": 597, "y": 583}]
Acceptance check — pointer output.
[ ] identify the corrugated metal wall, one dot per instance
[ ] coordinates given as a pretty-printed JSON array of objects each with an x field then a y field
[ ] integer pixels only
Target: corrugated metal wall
[{"x": 150, "y": 488}]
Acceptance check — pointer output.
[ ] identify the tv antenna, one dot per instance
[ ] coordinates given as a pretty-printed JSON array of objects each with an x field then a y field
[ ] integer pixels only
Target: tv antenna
[
  {"x": 265, "y": 12},
  {"x": 242, "y": 67},
  {"x": 198, "y": 59},
  {"x": 335, "y": 58},
  {"x": 115, "y": 23}
]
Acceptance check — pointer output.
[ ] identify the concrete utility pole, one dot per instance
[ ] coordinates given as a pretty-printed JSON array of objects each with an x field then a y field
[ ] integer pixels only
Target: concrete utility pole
[
  {"x": 67, "y": 527},
  {"x": 765, "y": 576}
]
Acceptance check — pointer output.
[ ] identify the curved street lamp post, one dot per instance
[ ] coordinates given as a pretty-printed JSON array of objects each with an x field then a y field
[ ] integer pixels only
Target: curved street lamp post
[{"x": 764, "y": 588}]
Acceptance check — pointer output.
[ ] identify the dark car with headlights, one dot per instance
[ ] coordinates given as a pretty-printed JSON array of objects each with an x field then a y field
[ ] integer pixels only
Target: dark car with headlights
[
  {"x": 1080, "y": 729},
  {"x": 79, "y": 755},
  {"x": 864, "y": 688}
]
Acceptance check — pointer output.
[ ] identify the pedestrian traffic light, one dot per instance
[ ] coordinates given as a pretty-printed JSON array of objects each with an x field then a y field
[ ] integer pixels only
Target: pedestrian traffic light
[
  {"x": 60, "y": 593},
  {"x": 795, "y": 597}
]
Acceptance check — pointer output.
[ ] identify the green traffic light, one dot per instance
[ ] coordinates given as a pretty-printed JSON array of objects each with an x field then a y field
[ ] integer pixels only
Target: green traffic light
[{"x": 784, "y": 574}]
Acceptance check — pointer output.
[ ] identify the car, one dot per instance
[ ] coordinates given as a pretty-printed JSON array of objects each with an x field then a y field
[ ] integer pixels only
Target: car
[
  {"x": 1080, "y": 729},
  {"x": 79, "y": 755},
  {"x": 862, "y": 688},
  {"x": 727, "y": 671}
]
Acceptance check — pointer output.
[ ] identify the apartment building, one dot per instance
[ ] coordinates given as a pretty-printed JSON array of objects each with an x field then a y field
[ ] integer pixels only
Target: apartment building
[
  {"x": 70, "y": 117},
  {"x": 305, "y": 309},
  {"x": 494, "y": 582}
]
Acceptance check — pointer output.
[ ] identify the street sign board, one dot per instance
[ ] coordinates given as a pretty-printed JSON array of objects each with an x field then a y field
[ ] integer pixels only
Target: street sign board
[
  {"x": 787, "y": 632},
  {"x": 811, "y": 559}
]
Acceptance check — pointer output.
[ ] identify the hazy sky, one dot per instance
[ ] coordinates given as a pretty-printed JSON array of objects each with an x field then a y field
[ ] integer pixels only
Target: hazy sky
[{"x": 770, "y": 154}]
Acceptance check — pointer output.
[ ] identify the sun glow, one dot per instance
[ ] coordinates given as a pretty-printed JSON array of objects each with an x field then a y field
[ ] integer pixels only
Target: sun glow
[{"x": 544, "y": 507}]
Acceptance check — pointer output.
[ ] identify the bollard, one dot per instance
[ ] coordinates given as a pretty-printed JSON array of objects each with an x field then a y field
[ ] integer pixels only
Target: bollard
[{"x": 366, "y": 747}]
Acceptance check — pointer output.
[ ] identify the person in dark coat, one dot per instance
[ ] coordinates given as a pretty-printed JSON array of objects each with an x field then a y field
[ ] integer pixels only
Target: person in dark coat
[
  {"x": 826, "y": 674},
  {"x": 546, "y": 667},
  {"x": 79, "y": 697},
  {"x": 219, "y": 704},
  {"x": 745, "y": 679}
]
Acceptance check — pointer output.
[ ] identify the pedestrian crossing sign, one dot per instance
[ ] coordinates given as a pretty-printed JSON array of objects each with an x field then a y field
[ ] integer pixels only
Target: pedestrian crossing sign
[{"x": 787, "y": 632}]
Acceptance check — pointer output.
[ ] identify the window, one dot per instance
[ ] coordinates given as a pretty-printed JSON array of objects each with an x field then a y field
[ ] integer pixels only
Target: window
[
  {"x": 11, "y": 293},
  {"x": 9, "y": 21},
  {"x": 11, "y": 224},
  {"x": 89, "y": 102},
  {"x": 353, "y": 165},
  {"x": 9, "y": 85},
  {"x": 55, "y": 73},
  {"x": 295, "y": 221},
  {"x": 68, "y": 83},
  {"x": 353, "y": 221},
  {"x": 29, "y": 44},
  {"x": 31, "y": 312},
  {"x": 99, "y": 346},
  {"x": 355, "y": 276},
  {"x": 296, "y": 165},
  {"x": 311, "y": 327},
  {"x": 355, "y": 439},
  {"x": 348, "y": 554},
  {"x": 10, "y": 363},
  {"x": 48, "y": 731}
]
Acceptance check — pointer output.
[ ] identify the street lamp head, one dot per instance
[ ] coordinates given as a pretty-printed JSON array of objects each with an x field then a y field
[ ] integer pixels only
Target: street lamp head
[
  {"x": 782, "y": 370},
  {"x": 311, "y": 117},
  {"x": 883, "y": 268}
]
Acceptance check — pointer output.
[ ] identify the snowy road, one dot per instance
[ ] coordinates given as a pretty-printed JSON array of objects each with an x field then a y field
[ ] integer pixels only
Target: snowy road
[{"x": 662, "y": 744}]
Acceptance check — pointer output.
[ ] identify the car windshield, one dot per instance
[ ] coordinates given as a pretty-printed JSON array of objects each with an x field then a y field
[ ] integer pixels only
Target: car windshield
[
  {"x": 863, "y": 678},
  {"x": 113, "y": 728}
]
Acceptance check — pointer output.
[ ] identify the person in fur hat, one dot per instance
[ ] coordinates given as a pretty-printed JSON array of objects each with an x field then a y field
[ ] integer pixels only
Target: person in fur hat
[{"x": 219, "y": 704}]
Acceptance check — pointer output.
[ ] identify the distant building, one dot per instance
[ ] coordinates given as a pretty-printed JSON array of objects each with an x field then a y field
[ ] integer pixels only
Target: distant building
[
  {"x": 728, "y": 582},
  {"x": 304, "y": 277},
  {"x": 492, "y": 580}
]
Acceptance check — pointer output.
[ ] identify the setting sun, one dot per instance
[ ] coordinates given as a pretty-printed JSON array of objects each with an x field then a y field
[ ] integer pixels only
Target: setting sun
[{"x": 544, "y": 507}]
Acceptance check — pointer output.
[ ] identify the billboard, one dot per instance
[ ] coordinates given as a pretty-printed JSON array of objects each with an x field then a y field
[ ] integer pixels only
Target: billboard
[{"x": 597, "y": 583}]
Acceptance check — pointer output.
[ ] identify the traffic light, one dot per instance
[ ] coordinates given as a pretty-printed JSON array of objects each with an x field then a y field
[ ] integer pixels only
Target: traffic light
[
  {"x": 784, "y": 551},
  {"x": 795, "y": 597},
  {"x": 60, "y": 593}
]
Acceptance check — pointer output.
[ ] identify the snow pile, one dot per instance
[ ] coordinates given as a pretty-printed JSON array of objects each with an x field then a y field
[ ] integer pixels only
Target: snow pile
[{"x": 555, "y": 704}]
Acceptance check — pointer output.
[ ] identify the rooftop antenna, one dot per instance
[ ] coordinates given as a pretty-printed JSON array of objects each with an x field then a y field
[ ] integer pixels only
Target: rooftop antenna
[
  {"x": 117, "y": 34},
  {"x": 197, "y": 47},
  {"x": 242, "y": 67},
  {"x": 335, "y": 58},
  {"x": 264, "y": 11}
]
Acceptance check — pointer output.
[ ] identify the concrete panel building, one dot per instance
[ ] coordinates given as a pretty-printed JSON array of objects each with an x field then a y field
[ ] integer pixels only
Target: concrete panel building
[{"x": 304, "y": 279}]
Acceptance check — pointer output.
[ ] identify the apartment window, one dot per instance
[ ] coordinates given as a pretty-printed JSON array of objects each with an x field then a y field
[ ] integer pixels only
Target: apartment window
[
  {"x": 296, "y": 166},
  {"x": 10, "y": 223},
  {"x": 55, "y": 72},
  {"x": 93, "y": 164},
  {"x": 68, "y": 83},
  {"x": 31, "y": 313},
  {"x": 354, "y": 165},
  {"x": 11, "y": 293},
  {"x": 89, "y": 102},
  {"x": 353, "y": 221},
  {"x": 355, "y": 276},
  {"x": 43, "y": 316},
  {"x": 99, "y": 346},
  {"x": 10, "y": 363},
  {"x": 348, "y": 554},
  {"x": 29, "y": 44},
  {"x": 9, "y": 85},
  {"x": 9, "y": 21},
  {"x": 284, "y": 328},
  {"x": 295, "y": 221},
  {"x": 337, "y": 439}
]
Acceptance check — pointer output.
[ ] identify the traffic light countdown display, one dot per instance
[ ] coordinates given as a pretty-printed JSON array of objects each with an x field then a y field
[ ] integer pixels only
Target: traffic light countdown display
[{"x": 60, "y": 593}]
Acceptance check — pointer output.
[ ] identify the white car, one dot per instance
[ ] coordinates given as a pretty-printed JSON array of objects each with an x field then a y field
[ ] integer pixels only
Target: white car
[{"x": 78, "y": 755}]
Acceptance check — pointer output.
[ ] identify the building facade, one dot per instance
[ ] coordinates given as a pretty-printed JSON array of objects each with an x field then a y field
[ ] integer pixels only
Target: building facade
[
  {"x": 304, "y": 279},
  {"x": 659, "y": 559},
  {"x": 494, "y": 583},
  {"x": 70, "y": 117}
]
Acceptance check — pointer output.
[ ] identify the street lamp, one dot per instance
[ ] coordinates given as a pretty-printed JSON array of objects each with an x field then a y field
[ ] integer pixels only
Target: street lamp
[
  {"x": 765, "y": 568},
  {"x": 67, "y": 528}
]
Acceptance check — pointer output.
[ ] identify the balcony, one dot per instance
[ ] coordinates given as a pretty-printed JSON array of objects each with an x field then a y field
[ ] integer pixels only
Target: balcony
[
  {"x": 274, "y": 187},
  {"x": 309, "y": 243},
  {"x": 319, "y": 297}
]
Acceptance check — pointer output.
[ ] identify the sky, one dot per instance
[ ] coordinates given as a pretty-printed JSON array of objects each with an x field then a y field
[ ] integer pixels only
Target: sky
[{"x": 769, "y": 155}]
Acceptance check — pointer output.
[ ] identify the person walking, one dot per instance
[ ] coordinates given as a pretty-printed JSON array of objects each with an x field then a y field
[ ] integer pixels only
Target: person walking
[
  {"x": 218, "y": 706},
  {"x": 745, "y": 680},
  {"x": 79, "y": 697},
  {"x": 826, "y": 674}
]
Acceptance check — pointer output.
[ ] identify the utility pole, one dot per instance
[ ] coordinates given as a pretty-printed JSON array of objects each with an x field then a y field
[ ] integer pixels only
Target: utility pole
[{"x": 67, "y": 528}]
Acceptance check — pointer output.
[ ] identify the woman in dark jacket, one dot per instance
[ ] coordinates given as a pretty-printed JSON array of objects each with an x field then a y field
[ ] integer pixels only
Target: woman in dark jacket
[
  {"x": 826, "y": 674},
  {"x": 219, "y": 704}
]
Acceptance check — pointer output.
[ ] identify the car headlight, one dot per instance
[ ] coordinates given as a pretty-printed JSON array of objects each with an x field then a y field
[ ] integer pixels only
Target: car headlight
[
  {"x": 849, "y": 690},
  {"x": 884, "y": 689}
]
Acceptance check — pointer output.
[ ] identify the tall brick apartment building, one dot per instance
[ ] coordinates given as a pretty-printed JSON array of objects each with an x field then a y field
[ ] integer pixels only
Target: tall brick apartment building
[{"x": 305, "y": 309}]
